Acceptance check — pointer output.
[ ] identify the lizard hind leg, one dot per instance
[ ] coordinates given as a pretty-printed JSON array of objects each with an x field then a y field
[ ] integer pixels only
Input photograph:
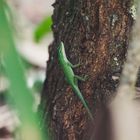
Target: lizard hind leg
[{"x": 81, "y": 78}]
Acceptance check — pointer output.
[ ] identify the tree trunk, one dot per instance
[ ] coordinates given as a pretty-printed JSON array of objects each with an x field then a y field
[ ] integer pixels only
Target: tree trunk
[{"x": 96, "y": 33}]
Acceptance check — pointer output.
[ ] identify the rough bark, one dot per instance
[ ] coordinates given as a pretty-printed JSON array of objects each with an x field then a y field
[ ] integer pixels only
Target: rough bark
[{"x": 96, "y": 33}]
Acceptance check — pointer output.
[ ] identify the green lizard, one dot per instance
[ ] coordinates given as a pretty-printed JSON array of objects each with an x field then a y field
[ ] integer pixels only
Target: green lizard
[{"x": 71, "y": 78}]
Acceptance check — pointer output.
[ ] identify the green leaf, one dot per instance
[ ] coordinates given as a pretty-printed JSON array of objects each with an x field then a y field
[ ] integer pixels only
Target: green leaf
[
  {"x": 19, "y": 91},
  {"x": 43, "y": 29}
]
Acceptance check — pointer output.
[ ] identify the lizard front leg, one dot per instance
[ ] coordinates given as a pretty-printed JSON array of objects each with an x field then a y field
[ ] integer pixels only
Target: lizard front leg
[{"x": 73, "y": 66}]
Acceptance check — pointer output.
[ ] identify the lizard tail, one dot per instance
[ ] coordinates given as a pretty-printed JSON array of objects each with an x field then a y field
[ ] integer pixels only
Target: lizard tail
[{"x": 76, "y": 89}]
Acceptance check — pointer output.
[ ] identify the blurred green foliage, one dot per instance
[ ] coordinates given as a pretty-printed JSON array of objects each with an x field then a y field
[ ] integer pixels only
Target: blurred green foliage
[
  {"x": 14, "y": 70},
  {"x": 43, "y": 29}
]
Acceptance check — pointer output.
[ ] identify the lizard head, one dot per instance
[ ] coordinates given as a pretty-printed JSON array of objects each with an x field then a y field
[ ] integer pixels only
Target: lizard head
[{"x": 61, "y": 48}]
